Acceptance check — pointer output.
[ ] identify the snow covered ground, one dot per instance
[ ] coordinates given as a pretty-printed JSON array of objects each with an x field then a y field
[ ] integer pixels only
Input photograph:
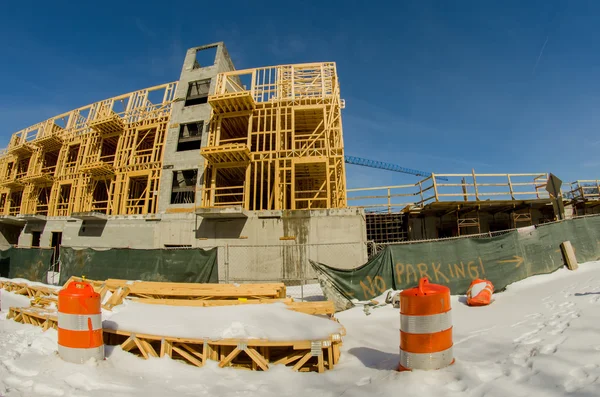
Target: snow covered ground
[{"x": 539, "y": 338}]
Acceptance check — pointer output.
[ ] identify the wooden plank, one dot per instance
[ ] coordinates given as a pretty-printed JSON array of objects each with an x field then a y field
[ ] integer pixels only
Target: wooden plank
[
  {"x": 302, "y": 361},
  {"x": 325, "y": 307},
  {"x": 290, "y": 358},
  {"x": 225, "y": 361},
  {"x": 569, "y": 255},
  {"x": 208, "y": 352},
  {"x": 140, "y": 346},
  {"x": 193, "y": 351},
  {"x": 148, "y": 347},
  {"x": 257, "y": 358},
  {"x": 320, "y": 363},
  {"x": 129, "y": 343},
  {"x": 336, "y": 353},
  {"x": 188, "y": 356},
  {"x": 166, "y": 348},
  {"x": 209, "y": 303}
]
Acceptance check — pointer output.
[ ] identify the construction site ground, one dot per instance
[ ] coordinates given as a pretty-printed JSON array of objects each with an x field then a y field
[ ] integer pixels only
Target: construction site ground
[{"x": 540, "y": 335}]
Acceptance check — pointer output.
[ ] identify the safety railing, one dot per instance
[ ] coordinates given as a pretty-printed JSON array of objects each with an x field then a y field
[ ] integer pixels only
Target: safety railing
[
  {"x": 456, "y": 187},
  {"x": 148, "y": 103},
  {"x": 584, "y": 190},
  {"x": 100, "y": 206},
  {"x": 63, "y": 209},
  {"x": 135, "y": 206},
  {"x": 14, "y": 210},
  {"x": 284, "y": 82},
  {"x": 226, "y": 196}
]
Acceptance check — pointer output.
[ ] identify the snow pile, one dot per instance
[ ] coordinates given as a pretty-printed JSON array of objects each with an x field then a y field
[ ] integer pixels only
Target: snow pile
[
  {"x": 10, "y": 299},
  {"x": 274, "y": 322},
  {"x": 31, "y": 283},
  {"x": 541, "y": 337}
]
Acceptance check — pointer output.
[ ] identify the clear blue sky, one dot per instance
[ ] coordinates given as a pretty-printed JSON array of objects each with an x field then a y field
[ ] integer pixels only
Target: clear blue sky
[{"x": 442, "y": 86}]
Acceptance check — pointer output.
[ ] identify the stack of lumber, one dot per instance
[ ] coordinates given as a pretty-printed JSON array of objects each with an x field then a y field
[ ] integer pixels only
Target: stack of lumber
[
  {"x": 35, "y": 316},
  {"x": 196, "y": 294},
  {"x": 164, "y": 290},
  {"x": 253, "y": 354},
  {"x": 37, "y": 293}
]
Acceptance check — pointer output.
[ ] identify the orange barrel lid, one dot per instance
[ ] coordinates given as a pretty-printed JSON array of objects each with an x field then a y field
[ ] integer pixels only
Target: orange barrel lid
[
  {"x": 425, "y": 299},
  {"x": 78, "y": 289},
  {"x": 79, "y": 298}
]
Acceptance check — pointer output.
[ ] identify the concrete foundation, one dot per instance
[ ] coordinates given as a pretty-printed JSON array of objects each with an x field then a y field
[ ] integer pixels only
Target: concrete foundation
[{"x": 259, "y": 247}]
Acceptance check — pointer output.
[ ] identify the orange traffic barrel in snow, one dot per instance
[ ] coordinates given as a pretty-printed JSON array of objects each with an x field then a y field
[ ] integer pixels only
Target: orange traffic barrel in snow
[
  {"x": 425, "y": 327},
  {"x": 480, "y": 292},
  {"x": 79, "y": 323}
]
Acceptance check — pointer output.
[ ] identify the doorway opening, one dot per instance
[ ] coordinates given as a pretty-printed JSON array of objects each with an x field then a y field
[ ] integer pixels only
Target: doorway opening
[{"x": 56, "y": 241}]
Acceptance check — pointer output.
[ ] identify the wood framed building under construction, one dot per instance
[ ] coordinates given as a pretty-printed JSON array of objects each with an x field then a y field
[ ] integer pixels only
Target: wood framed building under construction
[
  {"x": 273, "y": 145},
  {"x": 217, "y": 156},
  {"x": 223, "y": 155}
]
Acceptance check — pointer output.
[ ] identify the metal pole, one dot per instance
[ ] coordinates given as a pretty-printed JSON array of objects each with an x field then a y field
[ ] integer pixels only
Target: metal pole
[{"x": 226, "y": 263}]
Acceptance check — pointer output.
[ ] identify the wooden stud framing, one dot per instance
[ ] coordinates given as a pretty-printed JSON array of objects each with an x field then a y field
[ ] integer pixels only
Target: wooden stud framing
[
  {"x": 277, "y": 143},
  {"x": 85, "y": 160}
]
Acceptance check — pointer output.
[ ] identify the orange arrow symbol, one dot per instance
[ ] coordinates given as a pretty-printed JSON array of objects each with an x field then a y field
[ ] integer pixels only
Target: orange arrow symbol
[{"x": 517, "y": 261}]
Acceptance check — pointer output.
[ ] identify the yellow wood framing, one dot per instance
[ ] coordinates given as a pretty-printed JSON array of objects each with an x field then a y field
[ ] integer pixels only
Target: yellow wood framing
[
  {"x": 275, "y": 139},
  {"x": 105, "y": 157}
]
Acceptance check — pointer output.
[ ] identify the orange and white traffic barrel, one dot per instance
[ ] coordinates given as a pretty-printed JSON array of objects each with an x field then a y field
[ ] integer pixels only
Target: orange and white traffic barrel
[
  {"x": 425, "y": 327},
  {"x": 480, "y": 292},
  {"x": 79, "y": 323}
]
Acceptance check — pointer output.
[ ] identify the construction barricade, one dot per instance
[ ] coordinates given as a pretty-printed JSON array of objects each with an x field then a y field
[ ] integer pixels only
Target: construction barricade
[
  {"x": 79, "y": 323},
  {"x": 480, "y": 293},
  {"x": 425, "y": 327}
]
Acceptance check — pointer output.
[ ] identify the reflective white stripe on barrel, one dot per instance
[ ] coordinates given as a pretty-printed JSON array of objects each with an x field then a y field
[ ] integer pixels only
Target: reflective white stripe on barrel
[
  {"x": 477, "y": 288},
  {"x": 80, "y": 356},
  {"x": 426, "y": 324},
  {"x": 78, "y": 322},
  {"x": 426, "y": 360}
]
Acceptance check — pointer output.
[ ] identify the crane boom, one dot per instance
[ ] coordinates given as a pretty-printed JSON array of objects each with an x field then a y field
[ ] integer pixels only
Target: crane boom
[{"x": 386, "y": 166}]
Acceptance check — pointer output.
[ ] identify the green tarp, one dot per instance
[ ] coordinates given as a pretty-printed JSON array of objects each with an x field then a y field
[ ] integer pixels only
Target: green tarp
[
  {"x": 455, "y": 263},
  {"x": 175, "y": 265},
  {"x": 29, "y": 263}
]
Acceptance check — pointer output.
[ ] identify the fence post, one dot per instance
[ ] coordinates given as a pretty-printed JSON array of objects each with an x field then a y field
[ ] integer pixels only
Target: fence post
[
  {"x": 226, "y": 263},
  {"x": 435, "y": 189},
  {"x": 475, "y": 184},
  {"x": 303, "y": 277}
]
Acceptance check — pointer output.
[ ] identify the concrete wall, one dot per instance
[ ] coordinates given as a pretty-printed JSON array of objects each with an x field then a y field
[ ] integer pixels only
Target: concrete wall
[
  {"x": 181, "y": 114},
  {"x": 263, "y": 246}
]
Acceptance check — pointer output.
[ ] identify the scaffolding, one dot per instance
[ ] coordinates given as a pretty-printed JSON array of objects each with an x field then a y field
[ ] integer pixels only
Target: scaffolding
[
  {"x": 275, "y": 139},
  {"x": 105, "y": 158}
]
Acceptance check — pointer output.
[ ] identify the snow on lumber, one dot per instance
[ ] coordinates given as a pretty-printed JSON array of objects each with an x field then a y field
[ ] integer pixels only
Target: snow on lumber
[
  {"x": 274, "y": 322},
  {"x": 9, "y": 299},
  {"x": 30, "y": 283}
]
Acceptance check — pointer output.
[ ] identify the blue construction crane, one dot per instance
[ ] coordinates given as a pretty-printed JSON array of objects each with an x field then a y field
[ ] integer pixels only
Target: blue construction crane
[{"x": 387, "y": 166}]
